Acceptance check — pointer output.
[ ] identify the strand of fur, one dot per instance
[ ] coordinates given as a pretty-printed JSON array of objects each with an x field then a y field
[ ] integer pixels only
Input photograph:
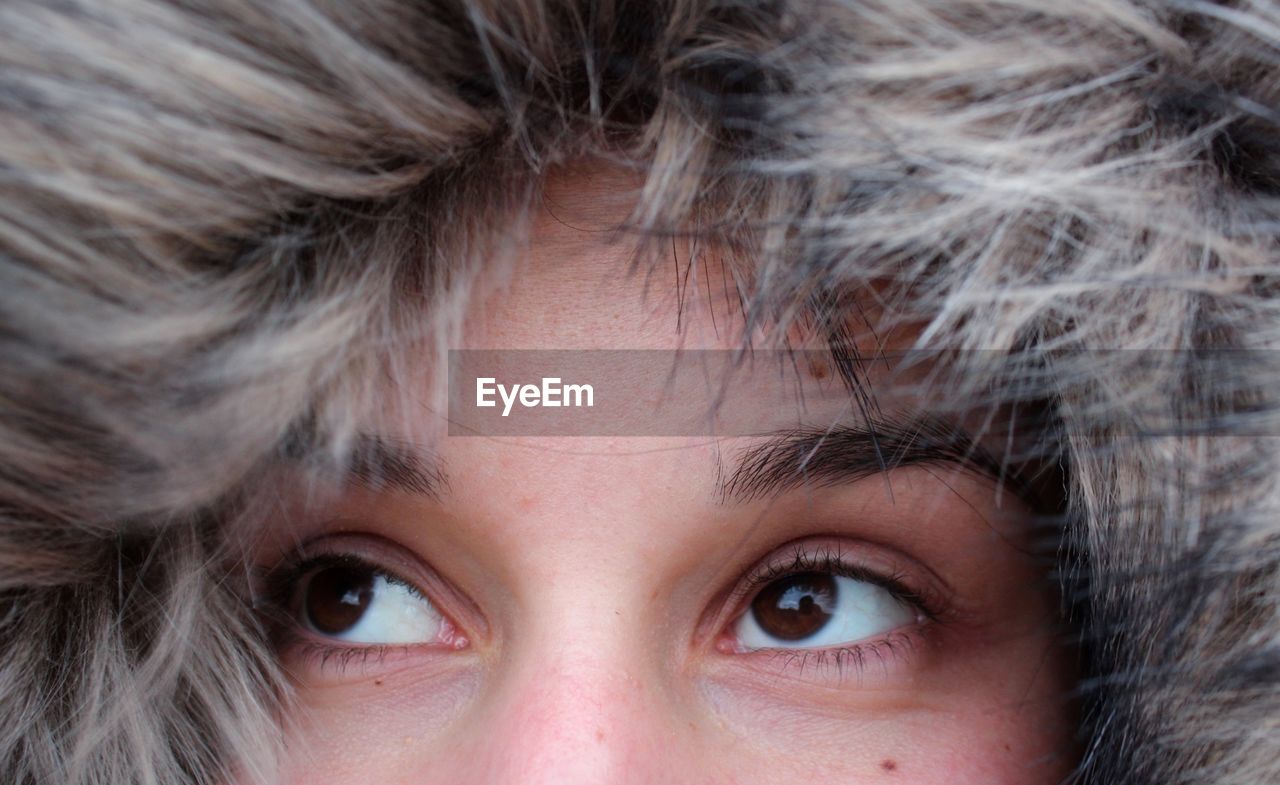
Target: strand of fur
[{"x": 222, "y": 219}]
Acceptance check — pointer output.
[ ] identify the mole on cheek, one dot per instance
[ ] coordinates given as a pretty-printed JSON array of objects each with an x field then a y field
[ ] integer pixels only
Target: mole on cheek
[{"x": 889, "y": 765}]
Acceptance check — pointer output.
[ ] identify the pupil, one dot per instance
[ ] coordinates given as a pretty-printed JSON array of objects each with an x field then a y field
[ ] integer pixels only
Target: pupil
[
  {"x": 797, "y": 606},
  {"x": 337, "y": 597}
]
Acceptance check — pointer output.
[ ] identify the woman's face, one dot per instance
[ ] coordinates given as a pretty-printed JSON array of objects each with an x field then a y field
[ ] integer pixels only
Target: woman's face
[{"x": 662, "y": 609}]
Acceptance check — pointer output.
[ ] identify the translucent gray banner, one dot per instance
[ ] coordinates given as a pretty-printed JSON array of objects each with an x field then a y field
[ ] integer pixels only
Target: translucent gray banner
[{"x": 728, "y": 393}]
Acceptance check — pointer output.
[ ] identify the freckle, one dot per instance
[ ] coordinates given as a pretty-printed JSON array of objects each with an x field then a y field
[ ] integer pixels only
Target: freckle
[
  {"x": 818, "y": 369},
  {"x": 378, "y": 682},
  {"x": 888, "y": 765}
]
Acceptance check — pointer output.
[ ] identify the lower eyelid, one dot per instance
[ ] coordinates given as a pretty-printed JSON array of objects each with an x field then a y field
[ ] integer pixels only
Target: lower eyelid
[
  {"x": 338, "y": 659},
  {"x": 876, "y": 658},
  {"x": 308, "y": 658}
]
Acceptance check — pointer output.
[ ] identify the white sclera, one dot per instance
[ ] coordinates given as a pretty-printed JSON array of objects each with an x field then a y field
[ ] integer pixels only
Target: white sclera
[
  {"x": 860, "y": 610},
  {"x": 396, "y": 614}
]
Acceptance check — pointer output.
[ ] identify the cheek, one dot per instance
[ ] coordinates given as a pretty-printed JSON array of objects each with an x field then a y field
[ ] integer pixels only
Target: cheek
[
  {"x": 932, "y": 749},
  {"x": 1006, "y": 719},
  {"x": 924, "y": 755},
  {"x": 381, "y": 729},
  {"x": 1023, "y": 748},
  {"x": 578, "y": 724}
]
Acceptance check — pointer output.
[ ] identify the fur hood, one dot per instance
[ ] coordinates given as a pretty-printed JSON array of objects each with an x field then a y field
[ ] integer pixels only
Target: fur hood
[{"x": 213, "y": 214}]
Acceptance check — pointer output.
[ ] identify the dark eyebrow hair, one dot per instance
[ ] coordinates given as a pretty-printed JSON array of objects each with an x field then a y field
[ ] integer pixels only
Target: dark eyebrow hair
[
  {"x": 379, "y": 463},
  {"x": 822, "y": 458},
  {"x": 375, "y": 462}
]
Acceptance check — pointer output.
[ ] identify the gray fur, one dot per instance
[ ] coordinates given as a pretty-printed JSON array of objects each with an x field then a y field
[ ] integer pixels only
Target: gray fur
[{"x": 222, "y": 221}]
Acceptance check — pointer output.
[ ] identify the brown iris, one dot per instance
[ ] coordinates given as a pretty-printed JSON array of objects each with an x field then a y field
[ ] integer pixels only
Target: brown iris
[
  {"x": 337, "y": 597},
  {"x": 795, "y": 607}
]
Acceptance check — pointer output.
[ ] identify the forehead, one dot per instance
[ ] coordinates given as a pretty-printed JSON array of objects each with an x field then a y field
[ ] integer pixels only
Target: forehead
[
  {"x": 582, "y": 280},
  {"x": 578, "y": 284}
]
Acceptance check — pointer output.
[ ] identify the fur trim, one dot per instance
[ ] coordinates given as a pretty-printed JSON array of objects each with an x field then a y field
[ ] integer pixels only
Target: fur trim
[{"x": 212, "y": 214}]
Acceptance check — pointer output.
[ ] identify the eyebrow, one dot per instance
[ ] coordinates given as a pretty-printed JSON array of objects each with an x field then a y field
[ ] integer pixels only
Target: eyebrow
[
  {"x": 820, "y": 458},
  {"x": 375, "y": 462},
  {"x": 379, "y": 463},
  {"x": 788, "y": 459}
]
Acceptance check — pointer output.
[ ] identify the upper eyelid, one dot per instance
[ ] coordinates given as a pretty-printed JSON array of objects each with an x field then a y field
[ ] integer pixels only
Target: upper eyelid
[
  {"x": 286, "y": 579},
  {"x": 322, "y": 547},
  {"x": 929, "y": 600},
  {"x": 308, "y": 564},
  {"x": 894, "y": 584}
]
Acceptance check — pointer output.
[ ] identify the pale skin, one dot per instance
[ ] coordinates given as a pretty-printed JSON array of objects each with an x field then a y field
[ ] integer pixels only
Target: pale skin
[{"x": 579, "y": 602}]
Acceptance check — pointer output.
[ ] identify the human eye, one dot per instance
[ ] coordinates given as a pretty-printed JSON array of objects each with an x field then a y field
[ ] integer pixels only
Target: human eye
[
  {"x": 348, "y": 603},
  {"x": 347, "y": 599},
  {"x": 823, "y": 600},
  {"x": 811, "y": 610}
]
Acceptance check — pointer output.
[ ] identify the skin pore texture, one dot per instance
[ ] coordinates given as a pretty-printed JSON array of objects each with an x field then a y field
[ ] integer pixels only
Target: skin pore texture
[{"x": 591, "y": 590}]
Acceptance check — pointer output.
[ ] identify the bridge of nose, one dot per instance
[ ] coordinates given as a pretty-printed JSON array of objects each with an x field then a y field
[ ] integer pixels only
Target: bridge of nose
[{"x": 572, "y": 717}]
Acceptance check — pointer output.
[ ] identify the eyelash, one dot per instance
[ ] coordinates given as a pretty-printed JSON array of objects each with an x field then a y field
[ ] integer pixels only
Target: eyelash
[
  {"x": 853, "y": 657},
  {"x": 831, "y": 559},
  {"x": 341, "y": 658},
  {"x": 856, "y": 656},
  {"x": 282, "y": 584}
]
